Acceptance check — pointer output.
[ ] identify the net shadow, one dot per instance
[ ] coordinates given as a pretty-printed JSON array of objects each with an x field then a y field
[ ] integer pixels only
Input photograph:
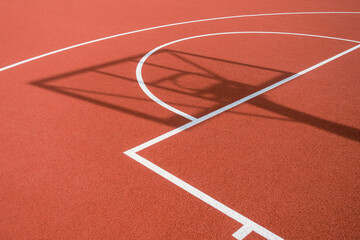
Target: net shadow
[{"x": 222, "y": 90}]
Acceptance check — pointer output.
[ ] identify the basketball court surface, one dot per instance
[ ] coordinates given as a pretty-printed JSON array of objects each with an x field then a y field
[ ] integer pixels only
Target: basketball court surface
[{"x": 180, "y": 119}]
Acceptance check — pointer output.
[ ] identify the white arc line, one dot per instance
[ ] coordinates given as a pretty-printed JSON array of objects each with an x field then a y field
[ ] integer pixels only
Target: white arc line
[
  {"x": 177, "y": 111},
  {"x": 248, "y": 225},
  {"x": 143, "y": 87},
  {"x": 163, "y": 26}
]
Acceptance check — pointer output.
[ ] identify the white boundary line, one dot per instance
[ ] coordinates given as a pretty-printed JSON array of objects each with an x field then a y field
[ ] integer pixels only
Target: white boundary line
[
  {"x": 162, "y": 26},
  {"x": 248, "y": 225},
  {"x": 177, "y": 111}
]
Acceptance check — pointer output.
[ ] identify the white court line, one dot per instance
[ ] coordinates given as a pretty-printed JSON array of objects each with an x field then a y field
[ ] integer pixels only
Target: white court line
[
  {"x": 163, "y": 26},
  {"x": 177, "y": 111},
  {"x": 242, "y": 232},
  {"x": 248, "y": 225},
  {"x": 204, "y": 197}
]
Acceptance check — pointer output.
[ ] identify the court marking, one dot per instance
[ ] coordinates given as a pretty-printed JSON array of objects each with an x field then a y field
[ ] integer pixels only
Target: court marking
[
  {"x": 159, "y": 27},
  {"x": 139, "y": 66},
  {"x": 248, "y": 225},
  {"x": 245, "y": 229}
]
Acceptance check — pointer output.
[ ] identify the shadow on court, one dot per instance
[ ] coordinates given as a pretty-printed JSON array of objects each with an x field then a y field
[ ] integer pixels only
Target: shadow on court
[{"x": 113, "y": 85}]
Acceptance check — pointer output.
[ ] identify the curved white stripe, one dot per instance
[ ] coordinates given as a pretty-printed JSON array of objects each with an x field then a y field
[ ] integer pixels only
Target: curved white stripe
[
  {"x": 150, "y": 94},
  {"x": 185, "y": 115},
  {"x": 162, "y": 26}
]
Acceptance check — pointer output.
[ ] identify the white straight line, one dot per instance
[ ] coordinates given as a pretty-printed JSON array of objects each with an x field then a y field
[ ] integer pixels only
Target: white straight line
[
  {"x": 164, "y": 26},
  {"x": 165, "y": 136},
  {"x": 203, "y": 197},
  {"x": 234, "y": 104},
  {"x": 242, "y": 232}
]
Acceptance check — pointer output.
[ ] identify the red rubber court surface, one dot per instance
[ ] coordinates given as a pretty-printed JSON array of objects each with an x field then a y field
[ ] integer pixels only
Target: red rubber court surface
[{"x": 180, "y": 120}]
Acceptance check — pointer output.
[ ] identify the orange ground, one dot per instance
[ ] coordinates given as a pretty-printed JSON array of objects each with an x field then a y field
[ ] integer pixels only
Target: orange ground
[{"x": 287, "y": 160}]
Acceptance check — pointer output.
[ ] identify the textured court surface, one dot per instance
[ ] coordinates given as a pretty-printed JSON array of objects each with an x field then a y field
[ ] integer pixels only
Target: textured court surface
[{"x": 244, "y": 125}]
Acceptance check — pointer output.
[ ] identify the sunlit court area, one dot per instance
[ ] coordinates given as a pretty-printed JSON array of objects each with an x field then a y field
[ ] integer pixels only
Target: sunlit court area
[{"x": 180, "y": 119}]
